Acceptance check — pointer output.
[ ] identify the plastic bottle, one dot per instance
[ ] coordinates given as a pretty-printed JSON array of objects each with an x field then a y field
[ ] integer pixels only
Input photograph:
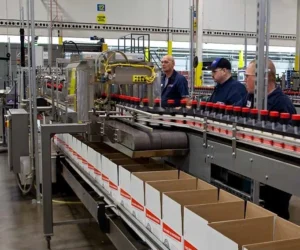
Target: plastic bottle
[
  {"x": 208, "y": 109},
  {"x": 236, "y": 114},
  {"x": 221, "y": 112}
]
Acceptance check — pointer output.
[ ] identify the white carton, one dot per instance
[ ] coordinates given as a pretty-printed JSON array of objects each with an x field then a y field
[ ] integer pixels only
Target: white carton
[
  {"x": 153, "y": 199},
  {"x": 260, "y": 226},
  {"x": 197, "y": 217},
  {"x": 113, "y": 176},
  {"x": 137, "y": 189},
  {"x": 172, "y": 213},
  {"x": 98, "y": 168},
  {"x": 293, "y": 244},
  {"x": 106, "y": 168},
  {"x": 125, "y": 173}
]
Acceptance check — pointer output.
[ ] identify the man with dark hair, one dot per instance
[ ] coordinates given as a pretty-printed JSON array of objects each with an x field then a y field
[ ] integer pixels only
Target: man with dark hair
[{"x": 227, "y": 91}]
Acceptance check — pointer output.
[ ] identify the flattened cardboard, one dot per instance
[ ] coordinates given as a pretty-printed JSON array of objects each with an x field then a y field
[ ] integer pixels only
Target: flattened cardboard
[
  {"x": 137, "y": 189},
  {"x": 278, "y": 245},
  {"x": 153, "y": 200},
  {"x": 172, "y": 213},
  {"x": 232, "y": 235}
]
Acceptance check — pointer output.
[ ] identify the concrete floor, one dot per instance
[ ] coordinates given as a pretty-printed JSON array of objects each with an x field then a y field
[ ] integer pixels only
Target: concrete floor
[{"x": 21, "y": 225}]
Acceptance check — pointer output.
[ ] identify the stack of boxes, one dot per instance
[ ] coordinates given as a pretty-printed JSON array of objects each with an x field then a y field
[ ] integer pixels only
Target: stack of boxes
[{"x": 180, "y": 210}]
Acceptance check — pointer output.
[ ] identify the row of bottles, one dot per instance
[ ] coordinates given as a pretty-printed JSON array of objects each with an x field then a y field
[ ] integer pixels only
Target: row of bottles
[{"x": 245, "y": 117}]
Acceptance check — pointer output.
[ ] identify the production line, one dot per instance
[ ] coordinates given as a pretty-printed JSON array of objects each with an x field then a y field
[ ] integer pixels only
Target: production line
[{"x": 108, "y": 124}]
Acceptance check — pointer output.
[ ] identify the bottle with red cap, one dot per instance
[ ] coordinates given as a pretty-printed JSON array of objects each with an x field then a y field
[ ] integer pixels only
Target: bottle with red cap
[
  {"x": 157, "y": 109},
  {"x": 192, "y": 112},
  {"x": 202, "y": 108},
  {"x": 252, "y": 118},
  {"x": 273, "y": 120},
  {"x": 263, "y": 119},
  {"x": 236, "y": 114},
  {"x": 244, "y": 116},
  {"x": 282, "y": 126},
  {"x": 221, "y": 113},
  {"x": 170, "y": 110},
  {"x": 208, "y": 109},
  {"x": 228, "y": 112},
  {"x": 145, "y": 106},
  {"x": 295, "y": 128},
  {"x": 215, "y": 110}
]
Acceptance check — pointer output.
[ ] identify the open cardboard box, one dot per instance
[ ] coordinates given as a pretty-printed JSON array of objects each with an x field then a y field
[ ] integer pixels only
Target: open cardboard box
[
  {"x": 106, "y": 167},
  {"x": 172, "y": 213},
  {"x": 125, "y": 173},
  {"x": 276, "y": 245},
  {"x": 233, "y": 235},
  {"x": 113, "y": 174},
  {"x": 153, "y": 199},
  {"x": 197, "y": 217},
  {"x": 137, "y": 188}
]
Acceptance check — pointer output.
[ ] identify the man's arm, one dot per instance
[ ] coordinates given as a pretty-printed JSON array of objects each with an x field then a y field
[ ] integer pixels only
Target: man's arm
[{"x": 184, "y": 90}]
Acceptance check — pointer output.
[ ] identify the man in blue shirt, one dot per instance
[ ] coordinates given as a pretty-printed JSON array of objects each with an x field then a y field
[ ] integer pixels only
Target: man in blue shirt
[
  {"x": 227, "y": 91},
  {"x": 174, "y": 85},
  {"x": 277, "y": 100},
  {"x": 276, "y": 200}
]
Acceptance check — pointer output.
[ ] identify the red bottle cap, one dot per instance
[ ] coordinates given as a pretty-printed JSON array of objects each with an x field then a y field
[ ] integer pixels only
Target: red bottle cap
[
  {"x": 264, "y": 112},
  {"x": 157, "y": 100},
  {"x": 171, "y": 101},
  {"x": 245, "y": 110},
  {"x": 285, "y": 116},
  {"x": 229, "y": 107},
  {"x": 216, "y": 105},
  {"x": 222, "y": 106},
  {"x": 237, "y": 109},
  {"x": 209, "y": 104},
  {"x": 145, "y": 100},
  {"x": 203, "y": 103},
  {"x": 296, "y": 117},
  {"x": 254, "y": 111},
  {"x": 183, "y": 101},
  {"x": 274, "y": 114},
  {"x": 194, "y": 102}
]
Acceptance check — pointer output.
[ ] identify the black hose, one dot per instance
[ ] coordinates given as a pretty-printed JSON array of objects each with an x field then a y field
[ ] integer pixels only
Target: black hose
[{"x": 22, "y": 40}]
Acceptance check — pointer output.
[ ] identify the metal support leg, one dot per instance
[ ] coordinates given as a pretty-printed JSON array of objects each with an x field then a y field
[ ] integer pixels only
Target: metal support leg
[
  {"x": 255, "y": 191},
  {"x": 47, "y": 131}
]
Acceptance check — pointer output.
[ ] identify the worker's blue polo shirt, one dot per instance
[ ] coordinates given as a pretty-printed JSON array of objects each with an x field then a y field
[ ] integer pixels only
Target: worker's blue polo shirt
[
  {"x": 277, "y": 101},
  {"x": 175, "y": 88},
  {"x": 229, "y": 92}
]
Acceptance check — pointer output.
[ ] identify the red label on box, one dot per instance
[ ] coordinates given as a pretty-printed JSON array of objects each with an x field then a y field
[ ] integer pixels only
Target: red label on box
[
  {"x": 105, "y": 178},
  {"x": 169, "y": 231},
  {"x": 152, "y": 217},
  {"x": 189, "y": 246},
  {"x": 97, "y": 172},
  {"x": 137, "y": 205},
  {"x": 125, "y": 194},
  {"x": 113, "y": 185}
]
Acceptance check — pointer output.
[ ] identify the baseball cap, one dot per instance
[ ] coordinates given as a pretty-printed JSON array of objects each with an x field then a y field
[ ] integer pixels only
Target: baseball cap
[{"x": 222, "y": 63}]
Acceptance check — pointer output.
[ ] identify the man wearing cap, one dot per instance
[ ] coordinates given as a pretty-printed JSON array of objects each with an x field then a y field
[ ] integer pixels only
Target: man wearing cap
[
  {"x": 276, "y": 200},
  {"x": 174, "y": 85},
  {"x": 227, "y": 91}
]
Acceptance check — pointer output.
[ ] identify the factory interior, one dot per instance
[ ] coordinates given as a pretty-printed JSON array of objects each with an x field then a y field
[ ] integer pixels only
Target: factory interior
[{"x": 163, "y": 125}]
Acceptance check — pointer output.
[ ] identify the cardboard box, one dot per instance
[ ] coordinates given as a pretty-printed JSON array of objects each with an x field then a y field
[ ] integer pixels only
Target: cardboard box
[
  {"x": 197, "y": 217},
  {"x": 234, "y": 235},
  {"x": 137, "y": 188},
  {"x": 277, "y": 245},
  {"x": 113, "y": 176},
  {"x": 106, "y": 167},
  {"x": 153, "y": 199},
  {"x": 125, "y": 177},
  {"x": 172, "y": 213}
]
